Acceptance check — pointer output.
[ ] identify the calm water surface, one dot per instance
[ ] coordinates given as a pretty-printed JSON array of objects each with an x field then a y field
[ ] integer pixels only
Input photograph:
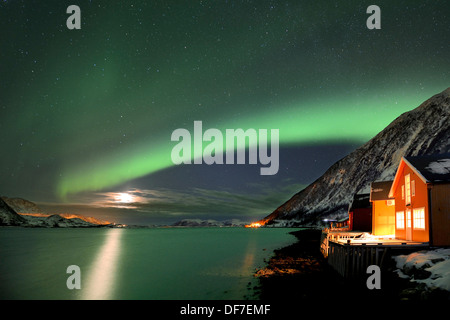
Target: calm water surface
[{"x": 159, "y": 263}]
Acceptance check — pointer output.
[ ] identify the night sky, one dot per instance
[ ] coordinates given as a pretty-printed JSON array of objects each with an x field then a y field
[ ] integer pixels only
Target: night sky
[{"x": 86, "y": 115}]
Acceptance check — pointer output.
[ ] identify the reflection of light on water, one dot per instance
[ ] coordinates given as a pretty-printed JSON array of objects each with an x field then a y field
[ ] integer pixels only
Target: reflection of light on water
[
  {"x": 249, "y": 256},
  {"x": 101, "y": 279}
]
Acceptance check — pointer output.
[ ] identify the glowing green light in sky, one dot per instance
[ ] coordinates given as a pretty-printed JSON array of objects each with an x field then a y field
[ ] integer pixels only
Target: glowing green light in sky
[
  {"x": 89, "y": 109},
  {"x": 326, "y": 122}
]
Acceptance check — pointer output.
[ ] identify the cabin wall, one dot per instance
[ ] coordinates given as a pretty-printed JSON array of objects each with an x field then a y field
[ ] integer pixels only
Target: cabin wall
[
  {"x": 440, "y": 206},
  {"x": 383, "y": 218},
  {"x": 419, "y": 200}
]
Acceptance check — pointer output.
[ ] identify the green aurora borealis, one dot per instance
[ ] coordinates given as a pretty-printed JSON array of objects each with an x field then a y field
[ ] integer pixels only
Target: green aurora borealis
[
  {"x": 301, "y": 129},
  {"x": 92, "y": 109}
]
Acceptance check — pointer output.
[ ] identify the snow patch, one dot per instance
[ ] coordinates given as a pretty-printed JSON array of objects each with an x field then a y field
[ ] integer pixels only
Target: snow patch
[
  {"x": 439, "y": 167},
  {"x": 431, "y": 268}
]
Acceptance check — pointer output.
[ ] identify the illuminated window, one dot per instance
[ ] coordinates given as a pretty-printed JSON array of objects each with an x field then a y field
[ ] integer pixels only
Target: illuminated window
[
  {"x": 400, "y": 218},
  {"x": 408, "y": 218},
  {"x": 413, "y": 188},
  {"x": 407, "y": 189},
  {"x": 403, "y": 192},
  {"x": 419, "y": 218}
]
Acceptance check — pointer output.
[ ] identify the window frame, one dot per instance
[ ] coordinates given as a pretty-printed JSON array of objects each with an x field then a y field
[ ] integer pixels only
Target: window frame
[
  {"x": 397, "y": 220},
  {"x": 419, "y": 218},
  {"x": 407, "y": 189}
]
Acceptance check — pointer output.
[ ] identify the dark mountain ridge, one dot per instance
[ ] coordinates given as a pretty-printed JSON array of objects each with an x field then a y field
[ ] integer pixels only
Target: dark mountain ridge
[{"x": 423, "y": 130}]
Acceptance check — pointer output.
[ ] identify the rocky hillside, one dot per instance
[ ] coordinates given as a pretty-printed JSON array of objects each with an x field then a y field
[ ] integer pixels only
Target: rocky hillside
[{"x": 424, "y": 130}]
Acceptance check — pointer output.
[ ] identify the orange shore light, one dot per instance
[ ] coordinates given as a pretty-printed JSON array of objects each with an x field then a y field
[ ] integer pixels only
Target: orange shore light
[{"x": 254, "y": 225}]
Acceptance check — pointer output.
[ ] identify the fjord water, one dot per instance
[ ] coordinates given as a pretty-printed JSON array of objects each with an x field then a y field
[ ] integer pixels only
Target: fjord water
[{"x": 155, "y": 263}]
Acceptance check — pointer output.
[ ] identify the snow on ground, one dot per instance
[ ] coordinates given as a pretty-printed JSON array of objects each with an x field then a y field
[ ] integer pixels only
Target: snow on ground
[
  {"x": 430, "y": 267},
  {"x": 369, "y": 236}
]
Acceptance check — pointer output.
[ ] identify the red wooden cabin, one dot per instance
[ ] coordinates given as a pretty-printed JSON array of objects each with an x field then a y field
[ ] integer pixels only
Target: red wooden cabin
[{"x": 360, "y": 213}]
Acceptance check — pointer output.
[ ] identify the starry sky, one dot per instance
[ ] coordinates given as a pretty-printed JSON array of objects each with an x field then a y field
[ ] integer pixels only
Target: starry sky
[{"x": 86, "y": 115}]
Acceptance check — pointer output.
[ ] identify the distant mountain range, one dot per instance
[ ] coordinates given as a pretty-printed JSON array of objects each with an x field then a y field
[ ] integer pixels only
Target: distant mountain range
[
  {"x": 209, "y": 223},
  {"x": 424, "y": 130},
  {"x": 21, "y": 212}
]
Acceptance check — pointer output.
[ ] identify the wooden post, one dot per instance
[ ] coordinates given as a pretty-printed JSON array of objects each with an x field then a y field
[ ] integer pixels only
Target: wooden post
[
  {"x": 382, "y": 258},
  {"x": 347, "y": 258}
]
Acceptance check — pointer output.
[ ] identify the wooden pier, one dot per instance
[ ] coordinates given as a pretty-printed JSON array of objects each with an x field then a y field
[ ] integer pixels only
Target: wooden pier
[
  {"x": 335, "y": 235},
  {"x": 350, "y": 255}
]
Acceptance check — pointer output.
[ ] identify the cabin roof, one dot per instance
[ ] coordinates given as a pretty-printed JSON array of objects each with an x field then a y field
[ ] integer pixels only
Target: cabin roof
[
  {"x": 379, "y": 190},
  {"x": 433, "y": 168},
  {"x": 430, "y": 168},
  {"x": 360, "y": 201}
]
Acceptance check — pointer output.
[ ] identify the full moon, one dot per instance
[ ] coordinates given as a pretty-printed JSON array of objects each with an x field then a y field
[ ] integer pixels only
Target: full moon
[{"x": 124, "y": 197}]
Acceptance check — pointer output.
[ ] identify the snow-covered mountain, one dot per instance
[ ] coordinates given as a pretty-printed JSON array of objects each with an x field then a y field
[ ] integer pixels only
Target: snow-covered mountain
[
  {"x": 21, "y": 212},
  {"x": 209, "y": 223},
  {"x": 8, "y": 217},
  {"x": 424, "y": 130},
  {"x": 55, "y": 221}
]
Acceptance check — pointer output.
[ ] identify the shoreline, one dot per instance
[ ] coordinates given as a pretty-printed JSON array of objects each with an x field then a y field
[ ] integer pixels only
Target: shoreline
[
  {"x": 297, "y": 271},
  {"x": 300, "y": 272}
]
